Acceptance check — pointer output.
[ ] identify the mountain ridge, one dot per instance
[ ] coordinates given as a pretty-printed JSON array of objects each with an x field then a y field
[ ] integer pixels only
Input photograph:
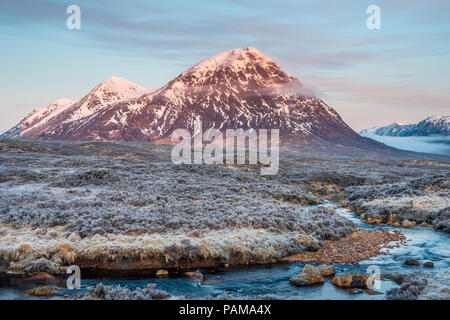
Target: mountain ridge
[
  {"x": 240, "y": 88},
  {"x": 432, "y": 125}
]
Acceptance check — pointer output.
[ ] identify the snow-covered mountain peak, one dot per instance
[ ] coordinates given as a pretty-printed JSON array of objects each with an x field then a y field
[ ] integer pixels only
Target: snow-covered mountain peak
[
  {"x": 41, "y": 116},
  {"x": 119, "y": 87},
  {"x": 64, "y": 111},
  {"x": 438, "y": 119},
  {"x": 433, "y": 125},
  {"x": 37, "y": 115},
  {"x": 109, "y": 91},
  {"x": 244, "y": 71},
  {"x": 236, "y": 57}
]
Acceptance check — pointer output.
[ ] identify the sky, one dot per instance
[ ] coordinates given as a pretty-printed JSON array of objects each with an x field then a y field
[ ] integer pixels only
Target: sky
[{"x": 399, "y": 73}]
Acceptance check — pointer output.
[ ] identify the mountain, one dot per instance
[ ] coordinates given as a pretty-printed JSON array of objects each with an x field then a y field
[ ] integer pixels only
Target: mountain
[
  {"x": 241, "y": 88},
  {"x": 434, "y": 125},
  {"x": 38, "y": 117},
  {"x": 68, "y": 116},
  {"x": 431, "y": 135}
]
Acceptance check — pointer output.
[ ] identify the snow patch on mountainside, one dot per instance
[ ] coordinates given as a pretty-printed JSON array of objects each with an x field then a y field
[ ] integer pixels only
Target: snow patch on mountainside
[
  {"x": 50, "y": 110},
  {"x": 38, "y": 117}
]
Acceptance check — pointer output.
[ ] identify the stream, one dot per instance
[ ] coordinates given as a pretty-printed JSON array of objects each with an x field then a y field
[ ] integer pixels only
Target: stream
[{"x": 423, "y": 244}]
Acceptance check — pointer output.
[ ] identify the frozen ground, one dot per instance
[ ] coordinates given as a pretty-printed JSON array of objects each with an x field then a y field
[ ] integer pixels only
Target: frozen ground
[{"x": 125, "y": 205}]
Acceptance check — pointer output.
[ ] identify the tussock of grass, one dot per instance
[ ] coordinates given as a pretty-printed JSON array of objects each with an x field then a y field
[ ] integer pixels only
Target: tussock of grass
[
  {"x": 232, "y": 246},
  {"x": 102, "y": 292}
]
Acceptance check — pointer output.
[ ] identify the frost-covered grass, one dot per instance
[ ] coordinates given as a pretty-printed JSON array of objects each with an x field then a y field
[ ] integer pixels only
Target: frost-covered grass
[
  {"x": 422, "y": 286},
  {"x": 154, "y": 250},
  {"x": 102, "y": 196},
  {"x": 410, "y": 289},
  {"x": 102, "y": 292},
  {"x": 438, "y": 288},
  {"x": 423, "y": 200},
  {"x": 109, "y": 203}
]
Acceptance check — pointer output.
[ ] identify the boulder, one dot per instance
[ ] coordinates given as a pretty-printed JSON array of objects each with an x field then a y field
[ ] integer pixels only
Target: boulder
[
  {"x": 310, "y": 275},
  {"x": 162, "y": 273},
  {"x": 412, "y": 263},
  {"x": 310, "y": 270},
  {"x": 40, "y": 276},
  {"x": 428, "y": 264},
  {"x": 393, "y": 218},
  {"x": 375, "y": 221},
  {"x": 326, "y": 270},
  {"x": 353, "y": 280},
  {"x": 43, "y": 291},
  {"x": 306, "y": 280},
  {"x": 427, "y": 225},
  {"x": 398, "y": 278},
  {"x": 408, "y": 224}
]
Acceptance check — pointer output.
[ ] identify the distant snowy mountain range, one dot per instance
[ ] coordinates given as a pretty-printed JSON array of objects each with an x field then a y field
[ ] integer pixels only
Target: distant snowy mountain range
[
  {"x": 431, "y": 135},
  {"x": 434, "y": 125}
]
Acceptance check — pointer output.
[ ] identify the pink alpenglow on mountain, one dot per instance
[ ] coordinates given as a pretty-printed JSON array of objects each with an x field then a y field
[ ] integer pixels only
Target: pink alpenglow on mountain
[
  {"x": 39, "y": 117},
  {"x": 242, "y": 88}
]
